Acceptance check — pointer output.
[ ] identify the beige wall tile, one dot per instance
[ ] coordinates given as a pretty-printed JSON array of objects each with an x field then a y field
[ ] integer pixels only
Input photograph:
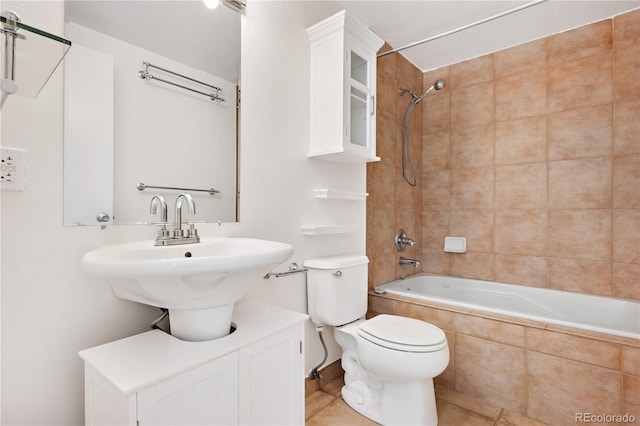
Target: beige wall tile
[
  {"x": 626, "y": 236},
  {"x": 521, "y": 141},
  {"x": 591, "y": 351},
  {"x": 581, "y": 234},
  {"x": 384, "y": 222},
  {"x": 438, "y": 317},
  {"x": 631, "y": 394},
  {"x": 382, "y": 305},
  {"x": 626, "y": 277},
  {"x": 626, "y": 69},
  {"x": 626, "y": 136},
  {"x": 436, "y": 151},
  {"x": 631, "y": 360},
  {"x": 560, "y": 388},
  {"x": 435, "y": 261},
  {"x": 472, "y": 265},
  {"x": 473, "y": 71},
  {"x": 436, "y": 112},
  {"x": 524, "y": 57},
  {"x": 581, "y": 133},
  {"x": 626, "y": 29},
  {"x": 435, "y": 190},
  {"x": 435, "y": 228},
  {"x": 517, "y": 269},
  {"x": 521, "y": 232},
  {"x": 491, "y": 371},
  {"x": 521, "y": 186},
  {"x": 472, "y": 188},
  {"x": 447, "y": 377},
  {"x": 626, "y": 181},
  {"x": 476, "y": 226},
  {"x": 472, "y": 146},
  {"x": 581, "y": 83},
  {"x": 580, "y": 183},
  {"x": 521, "y": 95},
  {"x": 472, "y": 105},
  {"x": 488, "y": 329},
  {"x": 581, "y": 42},
  {"x": 581, "y": 276}
]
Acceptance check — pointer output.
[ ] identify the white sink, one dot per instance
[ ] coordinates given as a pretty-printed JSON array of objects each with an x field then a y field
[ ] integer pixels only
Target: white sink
[{"x": 198, "y": 283}]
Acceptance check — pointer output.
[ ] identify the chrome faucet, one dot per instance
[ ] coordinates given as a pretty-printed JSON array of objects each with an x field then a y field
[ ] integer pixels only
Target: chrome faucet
[
  {"x": 159, "y": 200},
  {"x": 177, "y": 231},
  {"x": 165, "y": 238},
  {"x": 405, "y": 261}
]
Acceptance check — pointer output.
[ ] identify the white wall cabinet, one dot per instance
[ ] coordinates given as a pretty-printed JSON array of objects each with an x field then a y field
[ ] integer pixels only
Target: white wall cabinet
[
  {"x": 254, "y": 377},
  {"x": 343, "y": 90}
]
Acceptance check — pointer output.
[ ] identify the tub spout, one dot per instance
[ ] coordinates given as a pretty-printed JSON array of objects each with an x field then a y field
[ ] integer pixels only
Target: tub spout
[{"x": 405, "y": 261}]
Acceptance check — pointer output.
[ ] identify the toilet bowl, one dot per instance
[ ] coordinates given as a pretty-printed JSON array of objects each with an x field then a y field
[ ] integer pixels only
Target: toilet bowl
[
  {"x": 391, "y": 382},
  {"x": 389, "y": 361}
]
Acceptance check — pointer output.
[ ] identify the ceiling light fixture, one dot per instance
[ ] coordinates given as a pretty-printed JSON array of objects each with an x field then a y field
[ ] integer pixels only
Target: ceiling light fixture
[{"x": 211, "y": 4}]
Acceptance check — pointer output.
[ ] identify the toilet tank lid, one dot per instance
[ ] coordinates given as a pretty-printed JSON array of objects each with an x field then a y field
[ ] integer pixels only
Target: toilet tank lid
[{"x": 332, "y": 262}]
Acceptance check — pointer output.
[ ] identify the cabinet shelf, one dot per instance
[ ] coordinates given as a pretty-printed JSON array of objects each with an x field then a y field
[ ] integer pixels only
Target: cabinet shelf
[
  {"x": 327, "y": 229},
  {"x": 336, "y": 194}
]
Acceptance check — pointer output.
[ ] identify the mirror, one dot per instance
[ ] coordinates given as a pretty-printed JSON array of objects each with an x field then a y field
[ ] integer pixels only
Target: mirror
[{"x": 122, "y": 130}]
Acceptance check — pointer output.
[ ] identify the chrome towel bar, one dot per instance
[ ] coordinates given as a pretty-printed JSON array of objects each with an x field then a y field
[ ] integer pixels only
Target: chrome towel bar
[
  {"x": 141, "y": 187},
  {"x": 146, "y": 76},
  {"x": 293, "y": 269}
]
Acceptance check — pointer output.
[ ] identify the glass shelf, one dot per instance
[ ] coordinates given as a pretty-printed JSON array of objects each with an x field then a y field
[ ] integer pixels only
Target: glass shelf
[{"x": 37, "y": 55}]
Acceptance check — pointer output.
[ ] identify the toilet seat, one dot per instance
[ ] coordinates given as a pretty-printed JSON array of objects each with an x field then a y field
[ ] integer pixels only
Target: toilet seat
[{"x": 402, "y": 334}]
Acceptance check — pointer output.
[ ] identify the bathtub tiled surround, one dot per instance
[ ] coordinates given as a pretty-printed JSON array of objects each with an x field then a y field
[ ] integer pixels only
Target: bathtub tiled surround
[
  {"x": 545, "y": 372},
  {"x": 531, "y": 153}
]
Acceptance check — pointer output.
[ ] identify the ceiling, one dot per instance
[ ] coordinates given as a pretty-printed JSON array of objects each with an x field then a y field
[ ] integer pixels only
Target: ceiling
[
  {"x": 210, "y": 39},
  {"x": 403, "y": 22}
]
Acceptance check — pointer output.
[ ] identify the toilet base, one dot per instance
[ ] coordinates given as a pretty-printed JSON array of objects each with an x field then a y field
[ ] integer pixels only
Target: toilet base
[{"x": 397, "y": 403}]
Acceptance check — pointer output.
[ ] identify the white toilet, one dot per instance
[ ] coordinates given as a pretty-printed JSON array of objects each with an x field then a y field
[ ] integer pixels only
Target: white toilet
[{"x": 389, "y": 361}]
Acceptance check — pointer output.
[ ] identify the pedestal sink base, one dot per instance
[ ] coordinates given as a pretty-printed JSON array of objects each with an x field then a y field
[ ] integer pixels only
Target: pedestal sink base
[{"x": 199, "y": 325}]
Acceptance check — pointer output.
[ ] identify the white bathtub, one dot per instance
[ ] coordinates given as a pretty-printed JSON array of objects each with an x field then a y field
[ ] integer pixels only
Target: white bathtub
[{"x": 596, "y": 313}]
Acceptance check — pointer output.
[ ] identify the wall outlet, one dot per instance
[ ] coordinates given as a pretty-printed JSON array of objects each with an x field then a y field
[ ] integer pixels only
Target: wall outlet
[{"x": 12, "y": 169}]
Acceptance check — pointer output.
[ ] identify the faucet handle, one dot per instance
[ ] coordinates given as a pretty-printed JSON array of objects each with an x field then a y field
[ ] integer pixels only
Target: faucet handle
[
  {"x": 192, "y": 232},
  {"x": 402, "y": 240}
]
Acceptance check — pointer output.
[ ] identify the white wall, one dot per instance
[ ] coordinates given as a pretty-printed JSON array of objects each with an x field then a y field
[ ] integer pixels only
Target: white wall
[{"x": 51, "y": 308}]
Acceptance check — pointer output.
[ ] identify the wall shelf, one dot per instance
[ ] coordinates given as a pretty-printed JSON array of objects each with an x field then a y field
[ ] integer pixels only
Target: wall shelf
[
  {"x": 336, "y": 194},
  {"x": 327, "y": 229}
]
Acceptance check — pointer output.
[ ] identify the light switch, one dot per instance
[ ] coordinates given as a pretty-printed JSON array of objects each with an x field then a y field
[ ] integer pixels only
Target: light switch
[{"x": 12, "y": 169}]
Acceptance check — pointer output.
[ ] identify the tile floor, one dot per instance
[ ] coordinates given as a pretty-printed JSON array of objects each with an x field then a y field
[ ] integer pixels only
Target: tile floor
[{"x": 326, "y": 407}]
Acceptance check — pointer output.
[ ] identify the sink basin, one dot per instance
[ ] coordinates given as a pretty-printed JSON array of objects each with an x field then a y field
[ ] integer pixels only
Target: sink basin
[{"x": 197, "y": 283}]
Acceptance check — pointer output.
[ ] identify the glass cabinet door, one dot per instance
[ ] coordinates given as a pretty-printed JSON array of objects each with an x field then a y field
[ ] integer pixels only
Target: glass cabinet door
[{"x": 359, "y": 100}]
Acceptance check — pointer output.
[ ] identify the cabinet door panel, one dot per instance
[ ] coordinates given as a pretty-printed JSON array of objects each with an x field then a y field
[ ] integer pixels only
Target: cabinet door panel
[
  {"x": 272, "y": 380},
  {"x": 207, "y": 395}
]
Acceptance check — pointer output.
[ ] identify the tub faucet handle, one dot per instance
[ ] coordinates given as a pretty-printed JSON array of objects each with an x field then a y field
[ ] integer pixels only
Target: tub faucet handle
[{"x": 402, "y": 240}]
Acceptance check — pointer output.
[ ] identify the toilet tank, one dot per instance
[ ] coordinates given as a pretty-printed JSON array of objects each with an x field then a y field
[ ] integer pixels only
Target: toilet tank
[{"x": 337, "y": 289}]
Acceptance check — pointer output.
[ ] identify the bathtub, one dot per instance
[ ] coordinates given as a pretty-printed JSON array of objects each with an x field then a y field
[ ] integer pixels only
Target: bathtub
[{"x": 588, "y": 312}]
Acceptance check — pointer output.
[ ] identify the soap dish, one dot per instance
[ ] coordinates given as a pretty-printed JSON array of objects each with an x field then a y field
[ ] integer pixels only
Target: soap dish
[{"x": 455, "y": 244}]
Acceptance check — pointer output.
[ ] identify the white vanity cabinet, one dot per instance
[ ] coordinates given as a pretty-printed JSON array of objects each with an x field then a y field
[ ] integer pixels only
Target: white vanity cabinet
[
  {"x": 253, "y": 376},
  {"x": 343, "y": 90}
]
